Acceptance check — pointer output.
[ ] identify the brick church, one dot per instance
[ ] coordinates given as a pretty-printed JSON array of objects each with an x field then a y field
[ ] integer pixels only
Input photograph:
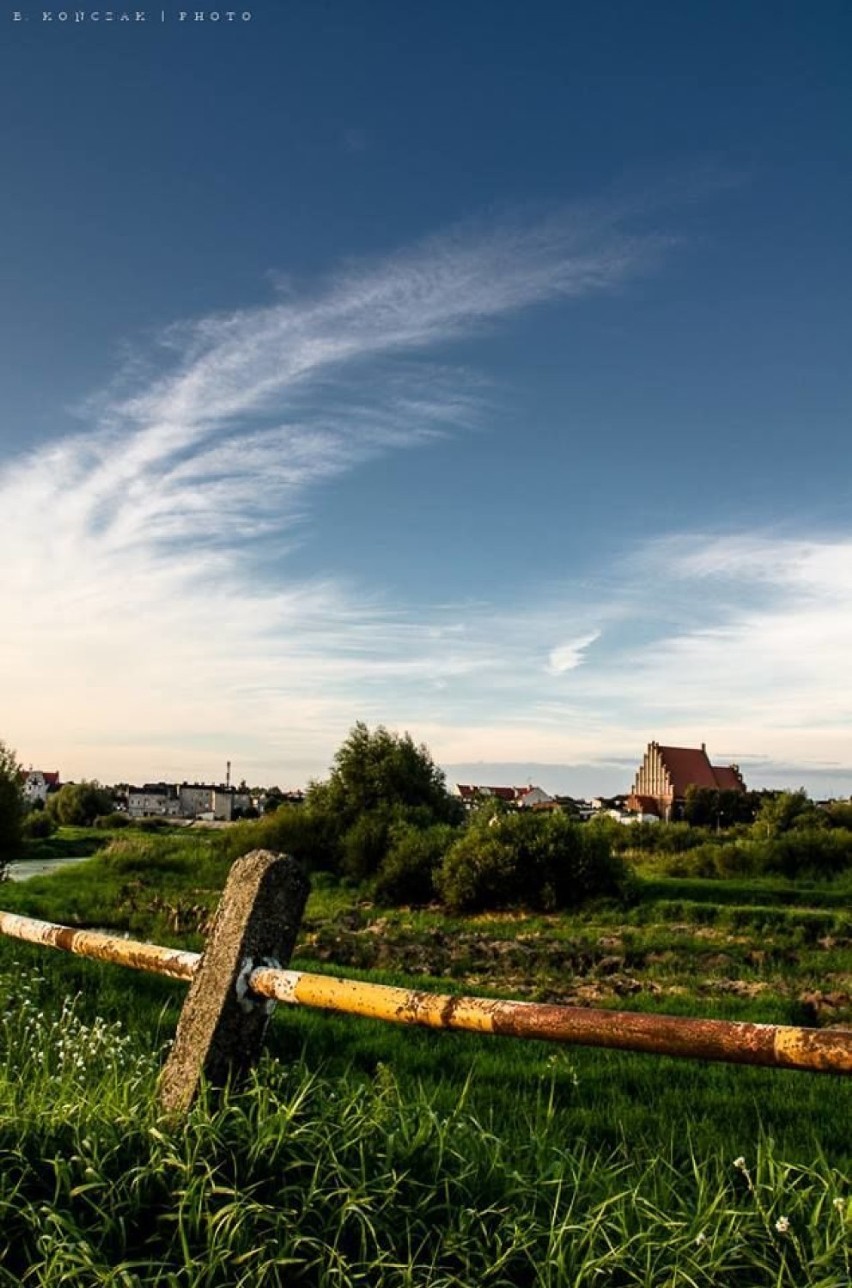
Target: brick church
[{"x": 666, "y": 772}]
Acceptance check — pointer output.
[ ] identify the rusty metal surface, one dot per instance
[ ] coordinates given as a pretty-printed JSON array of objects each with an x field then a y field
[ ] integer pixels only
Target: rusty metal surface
[
  {"x": 738, "y": 1042},
  {"x": 106, "y": 948}
]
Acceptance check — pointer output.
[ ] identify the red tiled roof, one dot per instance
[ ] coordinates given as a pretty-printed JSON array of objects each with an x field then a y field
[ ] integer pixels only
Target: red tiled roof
[
  {"x": 50, "y": 776},
  {"x": 644, "y": 804},
  {"x": 729, "y": 778},
  {"x": 472, "y": 791},
  {"x": 688, "y": 766}
]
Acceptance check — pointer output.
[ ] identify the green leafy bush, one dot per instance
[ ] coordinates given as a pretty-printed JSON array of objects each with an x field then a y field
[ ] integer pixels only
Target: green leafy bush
[
  {"x": 307, "y": 834},
  {"x": 37, "y": 825},
  {"x": 407, "y": 871},
  {"x": 538, "y": 860},
  {"x": 79, "y": 804},
  {"x": 806, "y": 852},
  {"x": 113, "y": 821},
  {"x": 154, "y": 824}
]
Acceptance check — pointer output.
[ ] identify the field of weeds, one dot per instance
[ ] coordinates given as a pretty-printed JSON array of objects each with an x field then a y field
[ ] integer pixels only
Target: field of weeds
[{"x": 366, "y": 1154}]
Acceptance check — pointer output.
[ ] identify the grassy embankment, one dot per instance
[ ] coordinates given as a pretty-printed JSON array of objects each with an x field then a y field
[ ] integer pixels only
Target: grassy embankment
[{"x": 408, "y": 1157}]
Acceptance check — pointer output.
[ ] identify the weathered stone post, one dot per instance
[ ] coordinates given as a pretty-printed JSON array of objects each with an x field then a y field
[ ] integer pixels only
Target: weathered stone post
[{"x": 221, "y": 1028}]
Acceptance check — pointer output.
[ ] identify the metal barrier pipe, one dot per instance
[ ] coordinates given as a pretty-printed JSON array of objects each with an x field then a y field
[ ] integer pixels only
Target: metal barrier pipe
[
  {"x": 105, "y": 948},
  {"x": 734, "y": 1041}
]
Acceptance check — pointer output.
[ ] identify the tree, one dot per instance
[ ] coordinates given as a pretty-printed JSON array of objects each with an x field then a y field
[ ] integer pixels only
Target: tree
[
  {"x": 11, "y": 807},
  {"x": 79, "y": 804},
  {"x": 380, "y": 779},
  {"x": 378, "y": 769},
  {"x": 786, "y": 811}
]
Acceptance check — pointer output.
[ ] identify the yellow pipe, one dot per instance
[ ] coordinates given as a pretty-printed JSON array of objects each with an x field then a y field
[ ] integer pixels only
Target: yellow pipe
[
  {"x": 106, "y": 948},
  {"x": 740, "y": 1042}
]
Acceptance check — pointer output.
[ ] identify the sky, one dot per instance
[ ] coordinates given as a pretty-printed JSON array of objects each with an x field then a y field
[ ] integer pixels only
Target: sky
[{"x": 480, "y": 370}]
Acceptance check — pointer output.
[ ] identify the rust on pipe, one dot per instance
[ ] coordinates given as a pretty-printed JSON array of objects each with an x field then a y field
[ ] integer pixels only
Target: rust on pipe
[
  {"x": 734, "y": 1041},
  {"x": 106, "y": 948}
]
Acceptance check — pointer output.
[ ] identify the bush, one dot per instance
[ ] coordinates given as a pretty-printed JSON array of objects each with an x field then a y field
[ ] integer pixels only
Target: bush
[
  {"x": 803, "y": 852},
  {"x": 79, "y": 804},
  {"x": 156, "y": 823},
  {"x": 407, "y": 872},
  {"x": 305, "y": 833},
  {"x": 113, "y": 821},
  {"x": 538, "y": 860},
  {"x": 37, "y": 825}
]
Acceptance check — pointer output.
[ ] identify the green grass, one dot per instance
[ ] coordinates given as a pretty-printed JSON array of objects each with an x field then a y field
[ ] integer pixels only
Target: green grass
[
  {"x": 747, "y": 890},
  {"x": 365, "y": 1153},
  {"x": 162, "y": 888},
  {"x": 322, "y": 1173}
]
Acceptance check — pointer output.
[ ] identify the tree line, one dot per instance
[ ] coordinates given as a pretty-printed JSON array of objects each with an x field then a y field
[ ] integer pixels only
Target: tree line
[{"x": 385, "y": 820}]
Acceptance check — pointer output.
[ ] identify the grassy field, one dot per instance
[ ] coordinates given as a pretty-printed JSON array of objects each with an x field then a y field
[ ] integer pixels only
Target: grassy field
[{"x": 362, "y": 1153}]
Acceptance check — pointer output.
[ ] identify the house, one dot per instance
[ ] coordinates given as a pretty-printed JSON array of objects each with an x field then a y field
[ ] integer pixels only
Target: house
[
  {"x": 514, "y": 797},
  {"x": 36, "y": 784},
  {"x": 188, "y": 800},
  {"x": 153, "y": 800},
  {"x": 666, "y": 772}
]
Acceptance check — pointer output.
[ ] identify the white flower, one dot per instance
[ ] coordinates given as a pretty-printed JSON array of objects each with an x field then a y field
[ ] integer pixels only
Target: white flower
[
  {"x": 782, "y": 1225},
  {"x": 839, "y": 1205},
  {"x": 740, "y": 1163},
  {"x": 700, "y": 1238}
]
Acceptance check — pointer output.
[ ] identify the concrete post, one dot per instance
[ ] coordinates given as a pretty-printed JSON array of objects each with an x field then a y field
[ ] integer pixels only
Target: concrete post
[{"x": 221, "y": 1028}]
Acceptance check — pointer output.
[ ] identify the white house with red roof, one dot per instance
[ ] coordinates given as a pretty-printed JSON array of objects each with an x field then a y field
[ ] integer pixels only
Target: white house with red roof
[
  {"x": 36, "y": 784},
  {"x": 515, "y": 797}
]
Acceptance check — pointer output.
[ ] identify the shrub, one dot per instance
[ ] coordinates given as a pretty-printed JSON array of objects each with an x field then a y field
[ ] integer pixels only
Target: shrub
[
  {"x": 539, "y": 860},
  {"x": 407, "y": 872},
  {"x": 305, "y": 833},
  {"x": 804, "y": 852},
  {"x": 79, "y": 804},
  {"x": 113, "y": 821},
  {"x": 156, "y": 823},
  {"x": 37, "y": 825}
]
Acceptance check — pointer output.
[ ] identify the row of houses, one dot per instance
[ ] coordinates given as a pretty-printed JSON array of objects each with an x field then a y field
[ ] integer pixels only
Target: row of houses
[
  {"x": 659, "y": 791},
  {"x": 212, "y": 801},
  {"x": 659, "y": 788},
  {"x": 529, "y": 797}
]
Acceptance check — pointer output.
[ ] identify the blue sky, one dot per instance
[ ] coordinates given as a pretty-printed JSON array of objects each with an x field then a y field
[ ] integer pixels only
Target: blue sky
[{"x": 477, "y": 370}]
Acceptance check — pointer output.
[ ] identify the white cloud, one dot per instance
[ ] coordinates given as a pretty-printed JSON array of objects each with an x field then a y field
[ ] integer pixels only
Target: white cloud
[
  {"x": 137, "y": 641},
  {"x": 570, "y": 655},
  {"x": 131, "y": 621}
]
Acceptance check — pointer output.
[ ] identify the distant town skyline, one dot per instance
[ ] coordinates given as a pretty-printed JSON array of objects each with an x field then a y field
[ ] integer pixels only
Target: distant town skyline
[{"x": 476, "y": 372}]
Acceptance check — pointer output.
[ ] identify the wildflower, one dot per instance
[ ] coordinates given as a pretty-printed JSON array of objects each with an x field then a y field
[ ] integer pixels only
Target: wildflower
[
  {"x": 739, "y": 1163},
  {"x": 700, "y": 1239},
  {"x": 782, "y": 1225},
  {"x": 839, "y": 1205}
]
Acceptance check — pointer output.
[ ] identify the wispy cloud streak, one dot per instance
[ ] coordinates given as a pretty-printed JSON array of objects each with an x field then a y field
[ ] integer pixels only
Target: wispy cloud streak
[
  {"x": 130, "y": 601},
  {"x": 139, "y": 636}
]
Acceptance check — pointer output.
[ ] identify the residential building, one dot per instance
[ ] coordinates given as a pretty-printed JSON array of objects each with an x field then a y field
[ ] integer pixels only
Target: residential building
[
  {"x": 157, "y": 800},
  {"x": 36, "y": 784},
  {"x": 514, "y": 797}
]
